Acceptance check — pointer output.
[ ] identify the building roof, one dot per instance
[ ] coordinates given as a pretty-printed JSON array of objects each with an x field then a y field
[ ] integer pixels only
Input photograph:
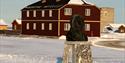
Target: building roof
[
  {"x": 47, "y": 5},
  {"x": 52, "y": 4},
  {"x": 2, "y": 22},
  {"x": 116, "y": 25},
  {"x": 18, "y": 21}
]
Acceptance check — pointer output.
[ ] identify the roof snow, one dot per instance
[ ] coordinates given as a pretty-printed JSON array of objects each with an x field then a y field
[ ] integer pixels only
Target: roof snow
[
  {"x": 18, "y": 21},
  {"x": 116, "y": 25},
  {"x": 79, "y": 2},
  {"x": 2, "y": 22}
]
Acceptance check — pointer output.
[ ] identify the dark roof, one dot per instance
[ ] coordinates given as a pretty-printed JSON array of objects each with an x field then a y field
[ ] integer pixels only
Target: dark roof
[{"x": 50, "y": 4}]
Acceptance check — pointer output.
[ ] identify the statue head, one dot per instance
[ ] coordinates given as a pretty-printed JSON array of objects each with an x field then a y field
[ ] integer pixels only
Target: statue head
[
  {"x": 77, "y": 23},
  {"x": 76, "y": 32}
]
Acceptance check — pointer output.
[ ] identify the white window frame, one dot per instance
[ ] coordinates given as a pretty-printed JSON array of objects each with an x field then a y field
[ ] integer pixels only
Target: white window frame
[
  {"x": 43, "y": 1},
  {"x": 43, "y": 13},
  {"x": 87, "y": 27},
  {"x": 27, "y": 26},
  {"x": 68, "y": 11},
  {"x": 34, "y": 26},
  {"x": 27, "y": 13},
  {"x": 42, "y": 26},
  {"x": 50, "y": 13},
  {"x": 87, "y": 12},
  {"x": 67, "y": 26},
  {"x": 34, "y": 13},
  {"x": 50, "y": 26}
]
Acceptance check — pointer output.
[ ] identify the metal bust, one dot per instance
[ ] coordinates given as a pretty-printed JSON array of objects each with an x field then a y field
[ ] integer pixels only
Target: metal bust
[{"x": 77, "y": 29}]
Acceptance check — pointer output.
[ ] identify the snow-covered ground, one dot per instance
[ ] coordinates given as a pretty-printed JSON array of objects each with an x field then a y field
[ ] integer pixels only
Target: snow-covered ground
[{"x": 47, "y": 50}]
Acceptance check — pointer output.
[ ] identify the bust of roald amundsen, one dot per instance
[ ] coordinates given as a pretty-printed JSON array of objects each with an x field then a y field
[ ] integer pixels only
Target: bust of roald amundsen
[{"x": 77, "y": 32}]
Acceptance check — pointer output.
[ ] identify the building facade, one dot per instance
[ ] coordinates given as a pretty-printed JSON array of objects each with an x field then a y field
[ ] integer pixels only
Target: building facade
[
  {"x": 53, "y": 19},
  {"x": 3, "y": 25},
  {"x": 107, "y": 17},
  {"x": 16, "y": 25},
  {"x": 121, "y": 29}
]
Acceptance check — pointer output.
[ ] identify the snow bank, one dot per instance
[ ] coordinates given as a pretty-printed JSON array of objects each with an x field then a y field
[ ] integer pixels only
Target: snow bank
[
  {"x": 63, "y": 37},
  {"x": 113, "y": 35}
]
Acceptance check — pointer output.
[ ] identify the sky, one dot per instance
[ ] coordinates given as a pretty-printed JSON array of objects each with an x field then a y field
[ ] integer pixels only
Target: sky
[{"x": 11, "y": 9}]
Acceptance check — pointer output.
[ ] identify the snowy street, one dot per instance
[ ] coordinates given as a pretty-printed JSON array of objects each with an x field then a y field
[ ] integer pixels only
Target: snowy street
[{"x": 46, "y": 50}]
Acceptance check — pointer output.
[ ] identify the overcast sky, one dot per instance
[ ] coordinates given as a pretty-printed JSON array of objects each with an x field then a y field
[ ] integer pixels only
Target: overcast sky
[{"x": 10, "y": 9}]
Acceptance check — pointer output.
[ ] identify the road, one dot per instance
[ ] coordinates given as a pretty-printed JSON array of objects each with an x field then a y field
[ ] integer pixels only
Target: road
[{"x": 36, "y": 50}]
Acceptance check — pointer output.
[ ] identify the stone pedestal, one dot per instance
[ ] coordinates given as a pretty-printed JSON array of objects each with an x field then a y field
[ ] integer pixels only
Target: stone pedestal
[{"x": 77, "y": 52}]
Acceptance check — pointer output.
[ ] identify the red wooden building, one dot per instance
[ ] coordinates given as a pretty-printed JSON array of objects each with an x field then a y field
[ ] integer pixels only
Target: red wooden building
[
  {"x": 16, "y": 25},
  {"x": 52, "y": 17}
]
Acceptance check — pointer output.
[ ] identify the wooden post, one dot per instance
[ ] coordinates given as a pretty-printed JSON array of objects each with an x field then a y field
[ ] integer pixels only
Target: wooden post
[{"x": 80, "y": 52}]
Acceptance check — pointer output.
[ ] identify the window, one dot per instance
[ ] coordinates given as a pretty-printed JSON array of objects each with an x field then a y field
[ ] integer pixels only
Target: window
[
  {"x": 34, "y": 26},
  {"x": 68, "y": 11},
  {"x": 87, "y": 12},
  {"x": 66, "y": 26},
  {"x": 43, "y": 1},
  {"x": 57, "y": 0},
  {"x": 50, "y": 26},
  {"x": 87, "y": 27},
  {"x": 43, "y": 13},
  {"x": 42, "y": 26},
  {"x": 15, "y": 27},
  {"x": 27, "y": 13},
  {"x": 50, "y": 13},
  {"x": 34, "y": 13},
  {"x": 27, "y": 26}
]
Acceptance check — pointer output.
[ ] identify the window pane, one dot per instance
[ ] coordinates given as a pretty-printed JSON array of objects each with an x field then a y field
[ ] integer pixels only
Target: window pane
[
  {"x": 34, "y": 26},
  {"x": 27, "y": 26},
  {"x": 87, "y": 12},
  {"x": 68, "y": 11},
  {"x": 42, "y": 26},
  {"x": 34, "y": 13},
  {"x": 50, "y": 13},
  {"x": 43, "y": 1},
  {"x": 43, "y": 13},
  {"x": 27, "y": 13},
  {"x": 50, "y": 26},
  {"x": 87, "y": 27},
  {"x": 66, "y": 26}
]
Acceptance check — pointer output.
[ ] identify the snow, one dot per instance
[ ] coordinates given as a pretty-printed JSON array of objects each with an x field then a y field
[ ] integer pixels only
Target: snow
[
  {"x": 114, "y": 27},
  {"x": 75, "y": 2},
  {"x": 2, "y": 22},
  {"x": 79, "y": 2},
  {"x": 47, "y": 50},
  {"x": 18, "y": 21},
  {"x": 63, "y": 37}
]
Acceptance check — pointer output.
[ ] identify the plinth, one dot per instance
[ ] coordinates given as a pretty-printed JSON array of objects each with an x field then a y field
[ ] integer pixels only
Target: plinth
[{"x": 77, "y": 52}]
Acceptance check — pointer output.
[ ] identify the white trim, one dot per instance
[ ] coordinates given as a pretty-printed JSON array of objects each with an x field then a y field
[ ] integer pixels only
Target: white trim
[{"x": 58, "y": 20}]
